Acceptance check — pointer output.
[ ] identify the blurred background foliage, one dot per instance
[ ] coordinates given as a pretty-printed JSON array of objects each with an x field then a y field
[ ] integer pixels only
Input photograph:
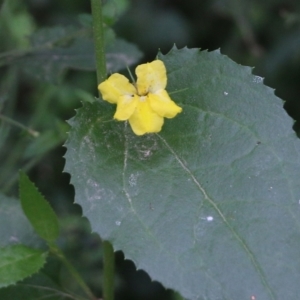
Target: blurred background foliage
[{"x": 47, "y": 70}]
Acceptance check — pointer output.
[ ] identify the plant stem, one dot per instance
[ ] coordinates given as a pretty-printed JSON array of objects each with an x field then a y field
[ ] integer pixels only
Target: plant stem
[
  {"x": 17, "y": 124},
  {"x": 108, "y": 271},
  {"x": 57, "y": 252},
  {"x": 108, "y": 252},
  {"x": 98, "y": 32}
]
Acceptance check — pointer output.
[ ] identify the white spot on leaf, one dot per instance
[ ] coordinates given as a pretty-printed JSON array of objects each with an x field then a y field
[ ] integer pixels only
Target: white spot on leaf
[
  {"x": 133, "y": 179},
  {"x": 257, "y": 79}
]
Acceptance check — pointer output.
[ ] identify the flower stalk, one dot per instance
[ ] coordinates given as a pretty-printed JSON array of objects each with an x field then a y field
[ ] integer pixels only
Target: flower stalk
[
  {"x": 58, "y": 253},
  {"x": 10, "y": 121},
  {"x": 98, "y": 31}
]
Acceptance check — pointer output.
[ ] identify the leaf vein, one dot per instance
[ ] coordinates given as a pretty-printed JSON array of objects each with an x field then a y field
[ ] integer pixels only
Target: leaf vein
[{"x": 217, "y": 209}]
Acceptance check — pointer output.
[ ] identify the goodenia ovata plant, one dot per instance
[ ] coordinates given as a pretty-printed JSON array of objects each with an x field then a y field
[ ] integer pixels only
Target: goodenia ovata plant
[{"x": 209, "y": 206}]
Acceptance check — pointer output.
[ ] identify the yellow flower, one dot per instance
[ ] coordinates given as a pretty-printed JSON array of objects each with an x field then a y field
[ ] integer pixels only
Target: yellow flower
[{"x": 146, "y": 103}]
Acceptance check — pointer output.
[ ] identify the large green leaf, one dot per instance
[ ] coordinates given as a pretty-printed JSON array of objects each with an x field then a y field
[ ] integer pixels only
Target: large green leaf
[
  {"x": 209, "y": 206},
  {"x": 18, "y": 262}
]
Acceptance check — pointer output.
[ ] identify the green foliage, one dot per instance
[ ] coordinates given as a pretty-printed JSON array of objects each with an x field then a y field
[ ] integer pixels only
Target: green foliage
[
  {"x": 54, "y": 50},
  {"x": 46, "y": 141},
  {"x": 34, "y": 288},
  {"x": 113, "y": 9},
  {"x": 121, "y": 54},
  {"x": 37, "y": 210},
  {"x": 209, "y": 206},
  {"x": 14, "y": 227},
  {"x": 16, "y": 24},
  {"x": 18, "y": 262}
]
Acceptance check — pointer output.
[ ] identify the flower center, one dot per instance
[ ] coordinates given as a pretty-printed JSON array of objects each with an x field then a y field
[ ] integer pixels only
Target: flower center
[{"x": 141, "y": 93}]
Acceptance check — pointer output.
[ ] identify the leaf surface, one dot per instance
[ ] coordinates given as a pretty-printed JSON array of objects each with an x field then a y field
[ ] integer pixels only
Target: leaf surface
[
  {"x": 210, "y": 205},
  {"x": 14, "y": 226},
  {"x": 38, "y": 211},
  {"x": 49, "y": 63},
  {"x": 39, "y": 286},
  {"x": 18, "y": 262},
  {"x": 57, "y": 49}
]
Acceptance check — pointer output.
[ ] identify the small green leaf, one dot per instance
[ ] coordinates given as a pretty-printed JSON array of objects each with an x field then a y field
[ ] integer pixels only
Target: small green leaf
[
  {"x": 14, "y": 226},
  {"x": 38, "y": 211},
  {"x": 18, "y": 262},
  {"x": 39, "y": 286}
]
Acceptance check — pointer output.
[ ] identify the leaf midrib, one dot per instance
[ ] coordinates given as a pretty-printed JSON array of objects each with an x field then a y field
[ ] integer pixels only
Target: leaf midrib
[{"x": 219, "y": 212}]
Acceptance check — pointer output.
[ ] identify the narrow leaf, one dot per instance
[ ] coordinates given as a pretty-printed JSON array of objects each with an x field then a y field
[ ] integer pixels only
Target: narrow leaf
[{"x": 38, "y": 211}]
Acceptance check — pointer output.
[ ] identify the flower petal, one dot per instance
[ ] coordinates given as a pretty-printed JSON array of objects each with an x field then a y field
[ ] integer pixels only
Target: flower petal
[
  {"x": 144, "y": 120},
  {"x": 151, "y": 77},
  {"x": 162, "y": 104},
  {"x": 114, "y": 87},
  {"x": 125, "y": 107}
]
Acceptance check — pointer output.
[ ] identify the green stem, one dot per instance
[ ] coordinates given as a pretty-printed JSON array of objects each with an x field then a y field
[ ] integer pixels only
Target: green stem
[
  {"x": 98, "y": 32},
  {"x": 57, "y": 252},
  {"x": 108, "y": 271},
  {"x": 17, "y": 124}
]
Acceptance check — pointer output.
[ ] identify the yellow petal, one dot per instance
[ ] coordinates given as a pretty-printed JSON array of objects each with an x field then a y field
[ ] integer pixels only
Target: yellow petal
[
  {"x": 114, "y": 87},
  {"x": 144, "y": 120},
  {"x": 162, "y": 104},
  {"x": 125, "y": 107},
  {"x": 151, "y": 77}
]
